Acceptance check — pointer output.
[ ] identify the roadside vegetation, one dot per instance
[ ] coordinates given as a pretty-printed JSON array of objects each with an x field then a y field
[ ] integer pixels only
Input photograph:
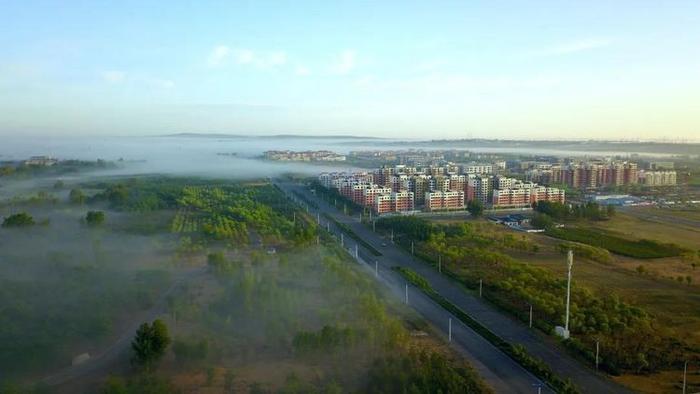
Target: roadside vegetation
[{"x": 631, "y": 339}]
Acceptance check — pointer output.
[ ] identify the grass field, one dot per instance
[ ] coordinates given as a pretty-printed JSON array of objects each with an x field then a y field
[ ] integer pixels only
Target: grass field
[
  {"x": 616, "y": 243},
  {"x": 684, "y": 235}
]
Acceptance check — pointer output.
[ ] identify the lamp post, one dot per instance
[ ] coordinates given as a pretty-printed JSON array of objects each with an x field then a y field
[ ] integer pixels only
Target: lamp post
[
  {"x": 559, "y": 330},
  {"x": 570, "y": 263}
]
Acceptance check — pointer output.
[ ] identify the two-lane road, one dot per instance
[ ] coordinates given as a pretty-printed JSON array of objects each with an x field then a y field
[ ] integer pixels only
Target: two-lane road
[
  {"x": 499, "y": 371},
  {"x": 537, "y": 344}
]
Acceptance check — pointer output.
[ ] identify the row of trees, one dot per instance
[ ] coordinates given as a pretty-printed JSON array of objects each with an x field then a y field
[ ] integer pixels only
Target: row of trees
[
  {"x": 589, "y": 210},
  {"x": 23, "y": 219}
]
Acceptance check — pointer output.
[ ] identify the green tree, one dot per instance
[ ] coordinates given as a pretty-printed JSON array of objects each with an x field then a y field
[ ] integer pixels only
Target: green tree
[
  {"x": 76, "y": 196},
  {"x": 542, "y": 220},
  {"x": 21, "y": 219},
  {"x": 610, "y": 210},
  {"x": 150, "y": 343},
  {"x": 475, "y": 207},
  {"x": 95, "y": 218}
]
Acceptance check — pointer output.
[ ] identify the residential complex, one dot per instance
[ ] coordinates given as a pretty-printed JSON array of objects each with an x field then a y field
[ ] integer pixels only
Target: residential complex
[
  {"x": 657, "y": 178},
  {"x": 404, "y": 188}
]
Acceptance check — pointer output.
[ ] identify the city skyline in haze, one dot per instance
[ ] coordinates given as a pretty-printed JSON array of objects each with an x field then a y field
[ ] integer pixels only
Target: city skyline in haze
[{"x": 599, "y": 70}]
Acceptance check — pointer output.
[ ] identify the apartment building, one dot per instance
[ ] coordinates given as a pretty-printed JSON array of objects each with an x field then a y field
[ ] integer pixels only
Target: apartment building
[
  {"x": 401, "y": 201},
  {"x": 474, "y": 168},
  {"x": 444, "y": 200},
  {"x": 515, "y": 197},
  {"x": 370, "y": 194},
  {"x": 657, "y": 178},
  {"x": 479, "y": 188}
]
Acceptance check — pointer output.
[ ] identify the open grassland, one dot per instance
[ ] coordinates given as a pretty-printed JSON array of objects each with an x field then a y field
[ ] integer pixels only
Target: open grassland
[{"x": 668, "y": 230}]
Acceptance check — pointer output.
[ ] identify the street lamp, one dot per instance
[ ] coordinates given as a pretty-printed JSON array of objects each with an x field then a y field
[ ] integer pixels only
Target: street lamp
[{"x": 559, "y": 330}]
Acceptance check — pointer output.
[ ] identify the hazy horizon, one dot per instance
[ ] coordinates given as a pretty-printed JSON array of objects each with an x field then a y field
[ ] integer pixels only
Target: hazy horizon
[{"x": 622, "y": 70}]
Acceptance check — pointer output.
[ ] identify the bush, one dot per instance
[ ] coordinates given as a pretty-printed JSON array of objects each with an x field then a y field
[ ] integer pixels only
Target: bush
[
  {"x": 590, "y": 252},
  {"x": 95, "y": 218},
  {"x": 21, "y": 219}
]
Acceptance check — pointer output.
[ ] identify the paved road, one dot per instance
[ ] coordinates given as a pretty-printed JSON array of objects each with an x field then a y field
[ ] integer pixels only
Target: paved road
[
  {"x": 498, "y": 370},
  {"x": 536, "y": 343},
  {"x": 119, "y": 347}
]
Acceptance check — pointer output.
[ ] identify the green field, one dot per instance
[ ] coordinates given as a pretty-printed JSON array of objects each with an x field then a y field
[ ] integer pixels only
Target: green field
[{"x": 639, "y": 248}]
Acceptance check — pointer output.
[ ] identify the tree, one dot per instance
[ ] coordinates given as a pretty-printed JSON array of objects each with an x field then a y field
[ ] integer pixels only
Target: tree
[
  {"x": 59, "y": 184},
  {"x": 150, "y": 343},
  {"x": 610, "y": 210},
  {"x": 95, "y": 218},
  {"x": 542, "y": 220},
  {"x": 475, "y": 207},
  {"x": 21, "y": 219},
  {"x": 76, "y": 196}
]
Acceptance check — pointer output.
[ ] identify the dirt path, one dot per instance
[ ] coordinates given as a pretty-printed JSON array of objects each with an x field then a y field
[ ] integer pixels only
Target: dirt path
[{"x": 98, "y": 364}]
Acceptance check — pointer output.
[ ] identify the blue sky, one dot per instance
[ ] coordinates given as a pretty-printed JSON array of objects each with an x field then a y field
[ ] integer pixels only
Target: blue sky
[{"x": 506, "y": 69}]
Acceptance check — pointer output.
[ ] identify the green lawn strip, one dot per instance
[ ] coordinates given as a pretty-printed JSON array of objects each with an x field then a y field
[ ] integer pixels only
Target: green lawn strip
[
  {"x": 517, "y": 352},
  {"x": 344, "y": 227}
]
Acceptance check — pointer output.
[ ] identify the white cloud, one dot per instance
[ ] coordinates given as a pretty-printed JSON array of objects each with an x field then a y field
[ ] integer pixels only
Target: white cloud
[
  {"x": 113, "y": 76},
  {"x": 345, "y": 63},
  {"x": 576, "y": 46},
  {"x": 260, "y": 60},
  {"x": 276, "y": 59},
  {"x": 302, "y": 71},
  {"x": 218, "y": 55},
  {"x": 244, "y": 56},
  {"x": 161, "y": 83}
]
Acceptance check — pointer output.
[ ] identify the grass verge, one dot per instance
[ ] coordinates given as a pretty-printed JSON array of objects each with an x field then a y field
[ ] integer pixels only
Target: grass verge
[
  {"x": 344, "y": 227},
  {"x": 516, "y": 352}
]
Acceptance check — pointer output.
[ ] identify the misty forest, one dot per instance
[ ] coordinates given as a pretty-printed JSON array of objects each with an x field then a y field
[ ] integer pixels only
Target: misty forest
[{"x": 160, "y": 284}]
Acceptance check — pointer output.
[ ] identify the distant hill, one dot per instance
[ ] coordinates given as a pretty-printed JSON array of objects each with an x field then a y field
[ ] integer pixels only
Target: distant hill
[
  {"x": 286, "y": 136},
  {"x": 673, "y": 148}
]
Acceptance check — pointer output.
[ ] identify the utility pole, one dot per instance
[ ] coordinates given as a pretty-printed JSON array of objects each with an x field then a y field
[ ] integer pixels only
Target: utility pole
[
  {"x": 357, "y": 255},
  {"x": 440, "y": 263},
  {"x": 597, "y": 352},
  {"x": 481, "y": 285},
  {"x": 318, "y": 240},
  {"x": 328, "y": 226},
  {"x": 530, "y": 315},
  {"x": 376, "y": 268},
  {"x": 318, "y": 218},
  {"x": 406, "y": 293},
  {"x": 570, "y": 263},
  {"x": 685, "y": 373},
  {"x": 449, "y": 329},
  {"x": 342, "y": 240}
]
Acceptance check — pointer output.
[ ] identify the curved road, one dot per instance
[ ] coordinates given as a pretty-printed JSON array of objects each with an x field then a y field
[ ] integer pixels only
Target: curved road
[{"x": 500, "y": 371}]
